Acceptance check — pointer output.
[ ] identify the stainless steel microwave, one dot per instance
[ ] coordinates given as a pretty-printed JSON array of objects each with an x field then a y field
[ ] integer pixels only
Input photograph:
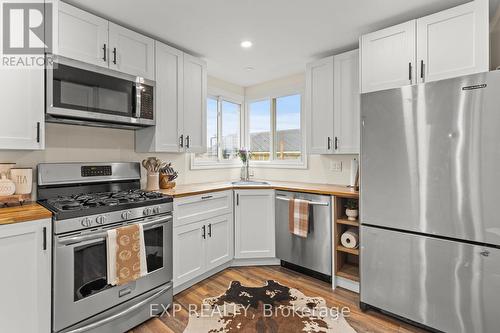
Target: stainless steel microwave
[{"x": 84, "y": 94}]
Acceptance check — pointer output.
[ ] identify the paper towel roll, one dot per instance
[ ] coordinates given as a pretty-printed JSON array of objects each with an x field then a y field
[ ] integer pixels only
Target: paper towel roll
[
  {"x": 350, "y": 238},
  {"x": 354, "y": 172}
]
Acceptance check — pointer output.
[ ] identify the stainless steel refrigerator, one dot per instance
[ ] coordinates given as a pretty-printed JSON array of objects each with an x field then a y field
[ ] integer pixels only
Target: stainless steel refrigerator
[{"x": 430, "y": 203}]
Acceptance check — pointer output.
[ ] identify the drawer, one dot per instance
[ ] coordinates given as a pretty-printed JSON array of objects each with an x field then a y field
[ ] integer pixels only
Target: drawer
[{"x": 203, "y": 206}]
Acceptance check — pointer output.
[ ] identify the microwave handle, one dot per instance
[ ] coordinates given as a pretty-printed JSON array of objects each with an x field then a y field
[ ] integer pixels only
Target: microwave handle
[{"x": 138, "y": 96}]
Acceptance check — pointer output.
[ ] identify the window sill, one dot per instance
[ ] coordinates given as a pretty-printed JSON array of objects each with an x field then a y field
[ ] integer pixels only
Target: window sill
[{"x": 207, "y": 165}]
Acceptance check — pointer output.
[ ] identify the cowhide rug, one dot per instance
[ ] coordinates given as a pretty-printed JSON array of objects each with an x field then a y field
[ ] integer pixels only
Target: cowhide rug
[{"x": 271, "y": 308}]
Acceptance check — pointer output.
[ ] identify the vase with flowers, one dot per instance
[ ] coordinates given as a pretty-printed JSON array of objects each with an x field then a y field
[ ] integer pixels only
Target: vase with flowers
[{"x": 244, "y": 154}]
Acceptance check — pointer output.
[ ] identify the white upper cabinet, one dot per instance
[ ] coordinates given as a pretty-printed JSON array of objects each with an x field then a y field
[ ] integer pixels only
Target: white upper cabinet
[
  {"x": 453, "y": 42},
  {"x": 319, "y": 105},
  {"x": 195, "y": 104},
  {"x": 25, "y": 284},
  {"x": 254, "y": 224},
  {"x": 346, "y": 103},
  {"x": 388, "y": 58},
  {"x": 443, "y": 45},
  {"x": 23, "y": 109},
  {"x": 82, "y": 36},
  {"x": 131, "y": 52},
  {"x": 165, "y": 136},
  {"x": 333, "y": 104}
]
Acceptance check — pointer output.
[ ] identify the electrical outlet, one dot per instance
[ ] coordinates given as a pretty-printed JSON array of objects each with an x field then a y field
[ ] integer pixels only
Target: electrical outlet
[{"x": 336, "y": 166}]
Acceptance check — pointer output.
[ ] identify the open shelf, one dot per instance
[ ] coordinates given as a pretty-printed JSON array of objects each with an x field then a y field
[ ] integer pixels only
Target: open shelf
[
  {"x": 347, "y": 250},
  {"x": 343, "y": 220},
  {"x": 349, "y": 271}
]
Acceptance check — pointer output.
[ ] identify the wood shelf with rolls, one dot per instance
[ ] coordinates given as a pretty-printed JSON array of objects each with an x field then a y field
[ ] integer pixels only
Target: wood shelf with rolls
[{"x": 346, "y": 260}]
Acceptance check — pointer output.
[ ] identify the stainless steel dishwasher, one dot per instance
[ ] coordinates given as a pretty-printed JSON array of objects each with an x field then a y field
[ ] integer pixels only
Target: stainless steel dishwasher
[{"x": 313, "y": 253}]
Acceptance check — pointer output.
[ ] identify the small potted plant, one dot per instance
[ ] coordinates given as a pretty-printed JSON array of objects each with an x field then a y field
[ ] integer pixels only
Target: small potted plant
[
  {"x": 245, "y": 154},
  {"x": 351, "y": 209}
]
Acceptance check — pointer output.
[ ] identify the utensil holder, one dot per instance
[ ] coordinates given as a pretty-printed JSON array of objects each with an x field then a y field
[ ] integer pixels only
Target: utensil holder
[
  {"x": 165, "y": 183},
  {"x": 153, "y": 182}
]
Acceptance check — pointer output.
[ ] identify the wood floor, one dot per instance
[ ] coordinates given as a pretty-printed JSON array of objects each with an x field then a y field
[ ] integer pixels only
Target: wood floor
[{"x": 216, "y": 285}]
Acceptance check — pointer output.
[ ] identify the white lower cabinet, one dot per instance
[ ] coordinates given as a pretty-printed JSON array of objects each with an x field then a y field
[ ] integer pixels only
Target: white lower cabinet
[
  {"x": 254, "y": 224},
  {"x": 25, "y": 284},
  {"x": 203, "y": 235}
]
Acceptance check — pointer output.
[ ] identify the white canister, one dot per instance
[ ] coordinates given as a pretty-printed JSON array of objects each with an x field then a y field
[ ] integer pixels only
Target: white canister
[
  {"x": 23, "y": 178},
  {"x": 7, "y": 186}
]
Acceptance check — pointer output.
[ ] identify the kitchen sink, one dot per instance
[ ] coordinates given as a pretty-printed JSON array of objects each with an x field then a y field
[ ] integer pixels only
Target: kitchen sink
[{"x": 249, "y": 183}]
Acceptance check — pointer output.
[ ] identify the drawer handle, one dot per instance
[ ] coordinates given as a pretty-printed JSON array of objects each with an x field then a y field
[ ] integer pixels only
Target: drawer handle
[{"x": 207, "y": 197}]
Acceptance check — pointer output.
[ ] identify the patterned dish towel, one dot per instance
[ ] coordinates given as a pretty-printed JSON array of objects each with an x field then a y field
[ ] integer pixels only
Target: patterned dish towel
[
  {"x": 126, "y": 254},
  {"x": 298, "y": 217}
]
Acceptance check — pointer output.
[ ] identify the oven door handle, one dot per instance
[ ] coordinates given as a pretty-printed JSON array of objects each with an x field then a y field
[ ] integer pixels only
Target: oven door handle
[
  {"x": 122, "y": 313},
  {"x": 101, "y": 235}
]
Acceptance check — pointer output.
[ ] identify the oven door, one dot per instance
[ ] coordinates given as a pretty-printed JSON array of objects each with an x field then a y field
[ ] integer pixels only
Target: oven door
[
  {"x": 78, "y": 91},
  {"x": 80, "y": 288}
]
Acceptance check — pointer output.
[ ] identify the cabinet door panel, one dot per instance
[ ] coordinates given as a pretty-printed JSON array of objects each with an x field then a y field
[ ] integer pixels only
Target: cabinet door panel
[
  {"x": 220, "y": 245},
  {"x": 134, "y": 52},
  {"x": 82, "y": 36},
  {"x": 453, "y": 42},
  {"x": 189, "y": 253},
  {"x": 319, "y": 104},
  {"x": 164, "y": 137},
  {"x": 195, "y": 104},
  {"x": 254, "y": 224},
  {"x": 388, "y": 58},
  {"x": 347, "y": 103},
  {"x": 23, "y": 109},
  {"x": 25, "y": 285}
]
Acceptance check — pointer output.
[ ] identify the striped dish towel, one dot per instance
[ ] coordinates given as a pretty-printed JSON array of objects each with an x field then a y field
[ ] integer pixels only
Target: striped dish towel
[{"x": 298, "y": 217}]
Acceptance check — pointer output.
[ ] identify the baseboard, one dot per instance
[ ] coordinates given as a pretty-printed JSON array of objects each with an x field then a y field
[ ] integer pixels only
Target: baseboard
[
  {"x": 255, "y": 262},
  {"x": 190, "y": 283},
  {"x": 339, "y": 281}
]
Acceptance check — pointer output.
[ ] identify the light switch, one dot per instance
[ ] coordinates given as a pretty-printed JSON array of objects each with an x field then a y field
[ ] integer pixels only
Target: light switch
[{"x": 336, "y": 166}]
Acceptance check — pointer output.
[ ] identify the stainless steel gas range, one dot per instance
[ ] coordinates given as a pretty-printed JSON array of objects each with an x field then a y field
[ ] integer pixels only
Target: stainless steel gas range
[{"x": 87, "y": 200}]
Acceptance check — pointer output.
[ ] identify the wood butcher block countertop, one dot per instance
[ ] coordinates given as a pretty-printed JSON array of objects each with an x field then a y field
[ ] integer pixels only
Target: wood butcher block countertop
[
  {"x": 24, "y": 213},
  {"x": 328, "y": 189}
]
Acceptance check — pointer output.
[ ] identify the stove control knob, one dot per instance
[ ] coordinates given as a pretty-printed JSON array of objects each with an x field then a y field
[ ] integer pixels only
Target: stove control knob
[
  {"x": 100, "y": 219},
  {"x": 147, "y": 211},
  {"x": 86, "y": 222},
  {"x": 126, "y": 214},
  {"x": 156, "y": 210}
]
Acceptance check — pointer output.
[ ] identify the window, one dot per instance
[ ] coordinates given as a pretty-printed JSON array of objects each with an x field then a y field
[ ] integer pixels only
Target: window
[
  {"x": 275, "y": 131},
  {"x": 223, "y": 131}
]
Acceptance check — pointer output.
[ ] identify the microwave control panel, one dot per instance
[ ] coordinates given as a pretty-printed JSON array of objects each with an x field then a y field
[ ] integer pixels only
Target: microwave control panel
[{"x": 147, "y": 102}]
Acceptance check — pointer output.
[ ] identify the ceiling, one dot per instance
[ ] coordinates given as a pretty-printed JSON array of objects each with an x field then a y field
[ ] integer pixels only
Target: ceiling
[{"x": 286, "y": 33}]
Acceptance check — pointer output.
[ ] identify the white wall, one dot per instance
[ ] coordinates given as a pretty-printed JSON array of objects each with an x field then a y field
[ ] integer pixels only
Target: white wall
[
  {"x": 319, "y": 166},
  {"x": 67, "y": 143}
]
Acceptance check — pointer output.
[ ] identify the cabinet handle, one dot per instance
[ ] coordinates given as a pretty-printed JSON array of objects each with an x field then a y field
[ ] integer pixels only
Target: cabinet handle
[
  {"x": 237, "y": 199},
  {"x": 104, "y": 57},
  {"x": 422, "y": 69},
  {"x": 181, "y": 141},
  {"x": 188, "y": 141},
  {"x": 329, "y": 143},
  {"x": 203, "y": 232},
  {"x": 44, "y": 240},
  {"x": 336, "y": 143},
  {"x": 206, "y": 197},
  {"x": 114, "y": 55},
  {"x": 38, "y": 132},
  {"x": 210, "y": 230},
  {"x": 409, "y": 71}
]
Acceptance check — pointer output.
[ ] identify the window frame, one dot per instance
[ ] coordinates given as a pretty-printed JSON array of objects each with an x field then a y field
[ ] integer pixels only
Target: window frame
[
  {"x": 220, "y": 96},
  {"x": 273, "y": 162}
]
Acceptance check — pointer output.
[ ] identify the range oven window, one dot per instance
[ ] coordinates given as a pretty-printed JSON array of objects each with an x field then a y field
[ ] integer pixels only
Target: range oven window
[{"x": 90, "y": 263}]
